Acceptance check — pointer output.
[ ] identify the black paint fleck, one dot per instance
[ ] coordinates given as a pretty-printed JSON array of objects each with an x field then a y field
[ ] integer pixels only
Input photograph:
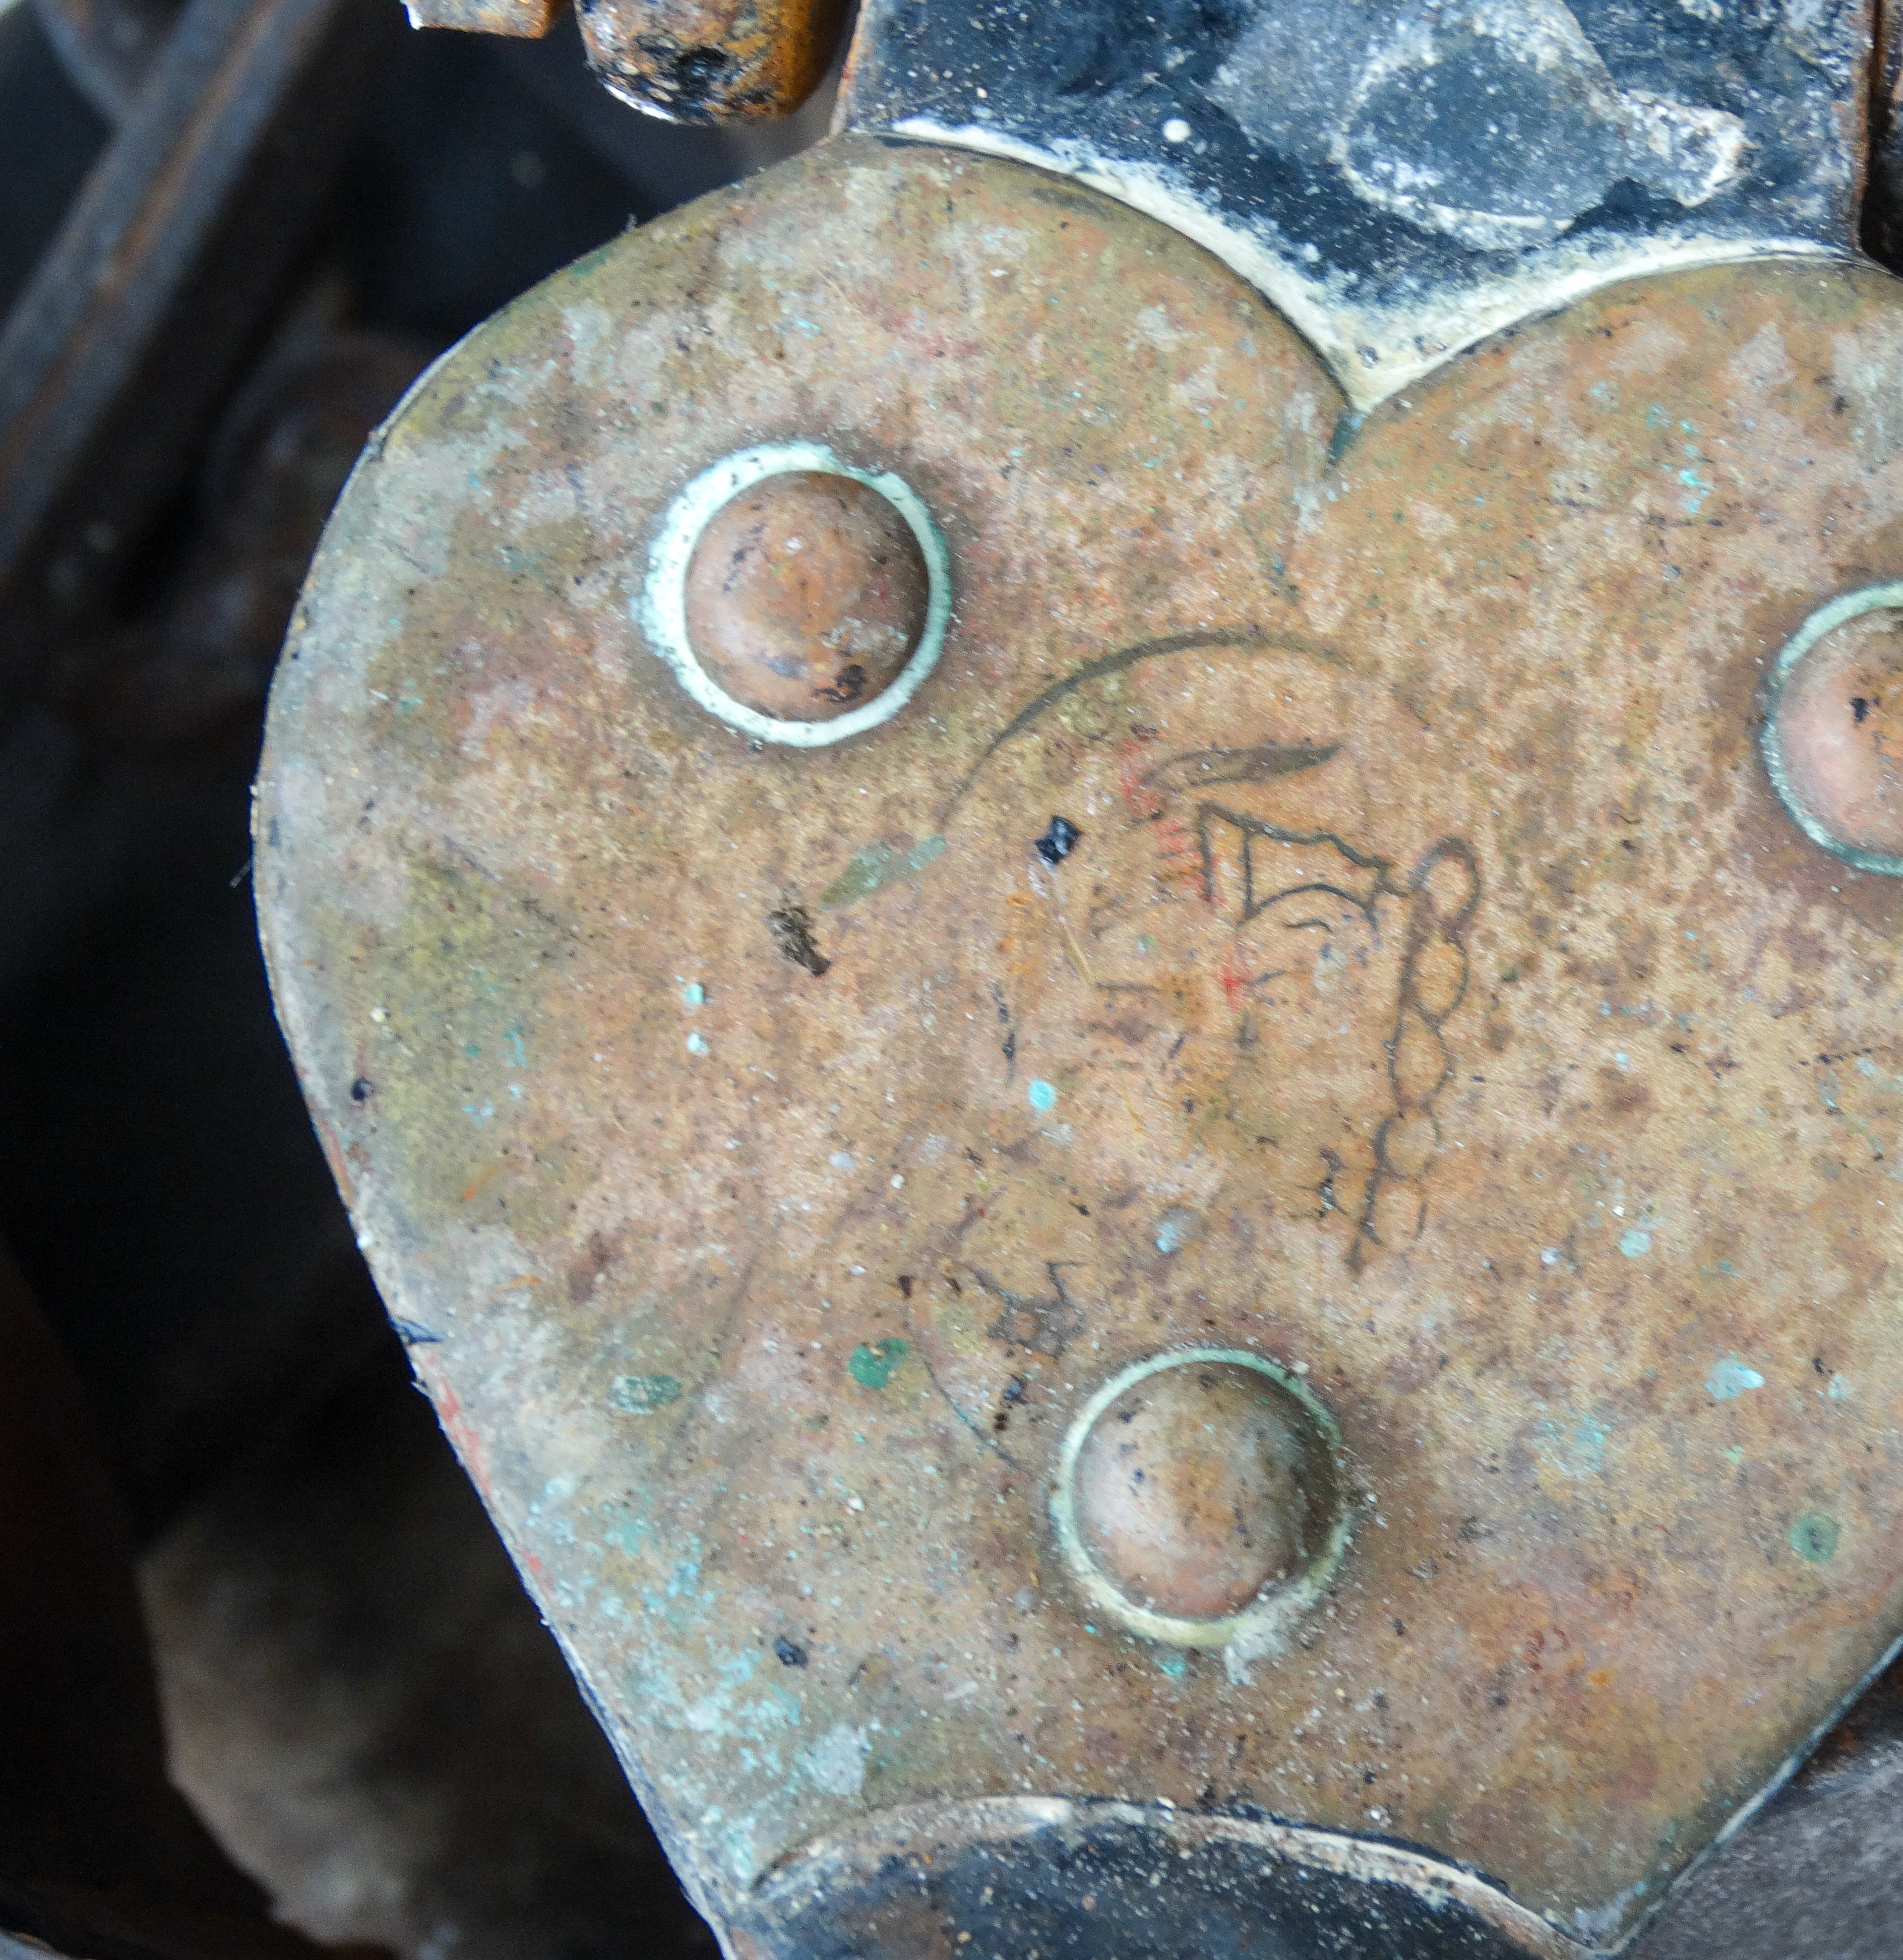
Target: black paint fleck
[
  {"x": 1059, "y": 840},
  {"x": 792, "y": 929}
]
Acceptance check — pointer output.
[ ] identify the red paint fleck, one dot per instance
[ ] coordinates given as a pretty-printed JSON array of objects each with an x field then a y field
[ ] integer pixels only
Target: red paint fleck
[
  {"x": 462, "y": 1434},
  {"x": 1143, "y": 799}
]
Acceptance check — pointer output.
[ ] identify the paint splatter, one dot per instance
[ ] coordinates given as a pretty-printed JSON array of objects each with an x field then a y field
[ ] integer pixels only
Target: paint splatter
[
  {"x": 1635, "y": 1244},
  {"x": 871, "y": 1367},
  {"x": 1814, "y": 1537},
  {"x": 836, "y": 1762},
  {"x": 877, "y": 865},
  {"x": 1172, "y": 1664},
  {"x": 791, "y": 926},
  {"x": 1175, "y": 1229},
  {"x": 642, "y": 1394},
  {"x": 693, "y": 994},
  {"x": 696, "y": 1042},
  {"x": 1059, "y": 841},
  {"x": 1043, "y": 1096},
  {"x": 1730, "y": 1378}
]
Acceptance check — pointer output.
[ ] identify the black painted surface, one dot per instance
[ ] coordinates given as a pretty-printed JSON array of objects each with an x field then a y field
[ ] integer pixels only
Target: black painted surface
[
  {"x": 1108, "y": 1889},
  {"x": 1106, "y": 78}
]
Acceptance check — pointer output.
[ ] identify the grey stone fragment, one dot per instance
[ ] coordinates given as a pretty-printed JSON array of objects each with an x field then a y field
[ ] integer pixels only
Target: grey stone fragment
[{"x": 1494, "y": 122}]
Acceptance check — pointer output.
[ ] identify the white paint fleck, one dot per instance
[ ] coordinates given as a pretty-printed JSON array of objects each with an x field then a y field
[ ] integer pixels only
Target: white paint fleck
[
  {"x": 696, "y": 1042},
  {"x": 841, "y": 1161},
  {"x": 1176, "y": 130},
  {"x": 1175, "y": 1229},
  {"x": 836, "y": 1762},
  {"x": 1731, "y": 1378}
]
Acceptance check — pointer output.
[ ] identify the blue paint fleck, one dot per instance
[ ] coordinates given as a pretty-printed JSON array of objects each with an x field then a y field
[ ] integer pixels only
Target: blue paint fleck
[
  {"x": 1043, "y": 1096},
  {"x": 1635, "y": 1244},
  {"x": 694, "y": 994},
  {"x": 1730, "y": 1378},
  {"x": 1590, "y": 1439},
  {"x": 1174, "y": 1665}
]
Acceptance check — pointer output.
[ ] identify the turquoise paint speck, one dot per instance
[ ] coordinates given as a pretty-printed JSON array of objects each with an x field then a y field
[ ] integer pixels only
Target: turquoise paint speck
[
  {"x": 642, "y": 1394},
  {"x": 871, "y": 1367},
  {"x": 694, "y": 994},
  {"x": 1814, "y": 1537},
  {"x": 1635, "y": 1244},
  {"x": 1174, "y": 1665},
  {"x": 1043, "y": 1096},
  {"x": 472, "y": 1050},
  {"x": 1731, "y": 1378}
]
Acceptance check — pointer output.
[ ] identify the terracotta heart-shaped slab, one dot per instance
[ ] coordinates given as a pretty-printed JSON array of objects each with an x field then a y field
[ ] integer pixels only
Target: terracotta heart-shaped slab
[{"x": 855, "y": 1224}]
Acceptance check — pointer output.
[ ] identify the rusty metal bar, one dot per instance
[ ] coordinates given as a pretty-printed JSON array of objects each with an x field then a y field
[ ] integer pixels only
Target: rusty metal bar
[{"x": 115, "y": 355}]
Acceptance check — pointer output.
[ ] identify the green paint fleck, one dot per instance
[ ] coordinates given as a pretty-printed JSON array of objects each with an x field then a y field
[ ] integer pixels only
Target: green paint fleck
[
  {"x": 1814, "y": 1537},
  {"x": 1734, "y": 1455},
  {"x": 879, "y": 865},
  {"x": 642, "y": 1394},
  {"x": 1147, "y": 944},
  {"x": 472, "y": 1049},
  {"x": 871, "y": 1367}
]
